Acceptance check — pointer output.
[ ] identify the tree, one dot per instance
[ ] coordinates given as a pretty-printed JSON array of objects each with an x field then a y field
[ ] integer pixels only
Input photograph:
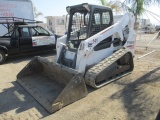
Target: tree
[
  {"x": 36, "y": 13},
  {"x": 138, "y": 6},
  {"x": 113, "y": 4}
]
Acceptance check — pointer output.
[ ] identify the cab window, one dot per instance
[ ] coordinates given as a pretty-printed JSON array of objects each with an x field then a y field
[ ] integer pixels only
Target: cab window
[
  {"x": 105, "y": 18},
  {"x": 33, "y": 32},
  {"x": 39, "y": 31},
  {"x": 101, "y": 19},
  {"x": 25, "y": 32},
  {"x": 97, "y": 19}
]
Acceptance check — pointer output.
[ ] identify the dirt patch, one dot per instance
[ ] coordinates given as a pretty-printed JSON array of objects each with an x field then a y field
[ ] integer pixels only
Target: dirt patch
[{"x": 139, "y": 52}]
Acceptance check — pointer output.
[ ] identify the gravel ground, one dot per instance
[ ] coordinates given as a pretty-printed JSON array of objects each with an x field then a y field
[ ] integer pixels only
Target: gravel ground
[{"x": 134, "y": 97}]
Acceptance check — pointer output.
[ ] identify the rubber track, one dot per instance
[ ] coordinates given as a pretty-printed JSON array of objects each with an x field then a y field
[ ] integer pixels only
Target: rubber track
[{"x": 92, "y": 73}]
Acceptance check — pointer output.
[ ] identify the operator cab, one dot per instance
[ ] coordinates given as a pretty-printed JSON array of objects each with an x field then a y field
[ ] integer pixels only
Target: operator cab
[{"x": 85, "y": 21}]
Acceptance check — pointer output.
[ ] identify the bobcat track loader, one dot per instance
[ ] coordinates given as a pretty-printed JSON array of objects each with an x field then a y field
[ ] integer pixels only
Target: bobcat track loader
[{"x": 94, "y": 52}]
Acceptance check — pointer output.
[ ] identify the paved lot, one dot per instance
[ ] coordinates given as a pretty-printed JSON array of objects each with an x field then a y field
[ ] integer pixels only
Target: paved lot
[{"x": 134, "y": 97}]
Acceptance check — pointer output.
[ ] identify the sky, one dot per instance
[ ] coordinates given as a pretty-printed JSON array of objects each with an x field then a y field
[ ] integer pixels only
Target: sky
[{"x": 58, "y": 8}]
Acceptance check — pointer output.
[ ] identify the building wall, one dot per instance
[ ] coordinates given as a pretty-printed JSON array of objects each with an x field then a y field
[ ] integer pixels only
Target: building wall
[
  {"x": 143, "y": 22},
  {"x": 56, "y": 24},
  {"x": 44, "y": 25}
]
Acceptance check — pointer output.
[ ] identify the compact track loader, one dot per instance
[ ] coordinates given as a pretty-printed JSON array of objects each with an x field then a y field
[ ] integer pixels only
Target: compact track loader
[{"x": 95, "y": 52}]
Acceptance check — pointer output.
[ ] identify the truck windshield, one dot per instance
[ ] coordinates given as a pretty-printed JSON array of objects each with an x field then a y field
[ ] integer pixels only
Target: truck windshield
[{"x": 78, "y": 28}]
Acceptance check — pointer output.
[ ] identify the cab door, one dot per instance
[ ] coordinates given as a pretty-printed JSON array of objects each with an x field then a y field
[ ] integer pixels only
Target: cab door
[
  {"x": 42, "y": 39},
  {"x": 25, "y": 40},
  {"x": 14, "y": 48}
]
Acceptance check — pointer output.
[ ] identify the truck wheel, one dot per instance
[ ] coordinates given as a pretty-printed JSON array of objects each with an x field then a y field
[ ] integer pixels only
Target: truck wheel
[{"x": 2, "y": 57}]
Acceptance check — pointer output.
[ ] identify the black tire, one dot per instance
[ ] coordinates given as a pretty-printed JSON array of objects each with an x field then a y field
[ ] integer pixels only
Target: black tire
[{"x": 2, "y": 57}]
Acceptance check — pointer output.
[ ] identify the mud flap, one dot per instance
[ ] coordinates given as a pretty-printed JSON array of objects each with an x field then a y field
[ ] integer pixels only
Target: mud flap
[{"x": 51, "y": 84}]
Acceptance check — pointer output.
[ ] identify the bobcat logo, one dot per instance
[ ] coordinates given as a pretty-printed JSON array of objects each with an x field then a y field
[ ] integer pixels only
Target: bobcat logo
[{"x": 90, "y": 44}]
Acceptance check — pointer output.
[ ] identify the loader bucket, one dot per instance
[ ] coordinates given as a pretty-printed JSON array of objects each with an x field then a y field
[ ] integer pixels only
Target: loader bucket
[{"x": 51, "y": 84}]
